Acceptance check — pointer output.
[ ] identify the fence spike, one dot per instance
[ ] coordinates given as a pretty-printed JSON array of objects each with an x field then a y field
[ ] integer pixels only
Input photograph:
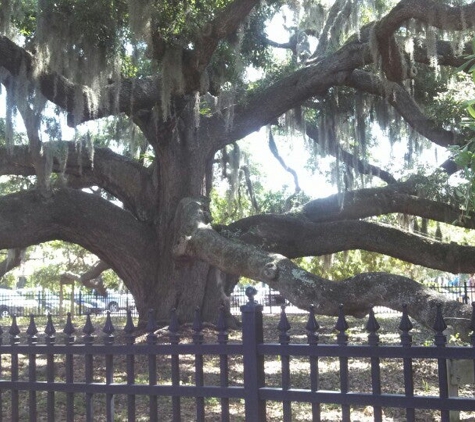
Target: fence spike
[
  {"x": 312, "y": 326},
  {"x": 151, "y": 327},
  {"x": 174, "y": 327},
  {"x": 108, "y": 330},
  {"x": 88, "y": 330},
  {"x": 341, "y": 326},
  {"x": 197, "y": 327},
  {"x": 372, "y": 326},
  {"x": 31, "y": 331},
  {"x": 283, "y": 327},
  {"x": 222, "y": 326},
  {"x": 129, "y": 328},
  {"x": 439, "y": 326},
  {"x": 405, "y": 326},
  {"x": 50, "y": 331},
  {"x": 14, "y": 332},
  {"x": 69, "y": 329}
]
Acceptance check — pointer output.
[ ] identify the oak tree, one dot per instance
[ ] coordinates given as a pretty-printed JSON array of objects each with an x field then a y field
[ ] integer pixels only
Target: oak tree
[{"x": 169, "y": 83}]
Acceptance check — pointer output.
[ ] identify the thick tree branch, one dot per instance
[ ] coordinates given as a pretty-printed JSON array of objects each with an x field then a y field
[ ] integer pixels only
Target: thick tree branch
[
  {"x": 90, "y": 278},
  {"x": 405, "y": 105},
  {"x": 261, "y": 108},
  {"x": 14, "y": 259},
  {"x": 122, "y": 177},
  {"x": 372, "y": 202},
  {"x": 430, "y": 12},
  {"x": 196, "y": 239},
  {"x": 296, "y": 237},
  {"x": 77, "y": 217},
  {"x": 124, "y": 96},
  {"x": 224, "y": 24}
]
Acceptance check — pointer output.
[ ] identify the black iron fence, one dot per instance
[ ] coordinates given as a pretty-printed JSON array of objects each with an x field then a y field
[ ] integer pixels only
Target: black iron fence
[
  {"x": 37, "y": 301},
  {"x": 60, "y": 378}
]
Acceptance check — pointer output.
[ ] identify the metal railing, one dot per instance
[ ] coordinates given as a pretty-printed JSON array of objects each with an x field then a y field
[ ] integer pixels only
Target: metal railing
[
  {"x": 38, "y": 302},
  {"x": 121, "y": 380}
]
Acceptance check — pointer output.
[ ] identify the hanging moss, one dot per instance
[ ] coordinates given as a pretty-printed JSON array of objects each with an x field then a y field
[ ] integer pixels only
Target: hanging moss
[
  {"x": 172, "y": 81},
  {"x": 140, "y": 13}
]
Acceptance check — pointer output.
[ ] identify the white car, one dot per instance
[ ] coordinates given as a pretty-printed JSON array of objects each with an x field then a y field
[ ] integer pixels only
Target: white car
[{"x": 13, "y": 303}]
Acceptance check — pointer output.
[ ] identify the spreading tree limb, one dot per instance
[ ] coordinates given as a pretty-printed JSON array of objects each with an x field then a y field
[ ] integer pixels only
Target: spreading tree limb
[{"x": 196, "y": 239}]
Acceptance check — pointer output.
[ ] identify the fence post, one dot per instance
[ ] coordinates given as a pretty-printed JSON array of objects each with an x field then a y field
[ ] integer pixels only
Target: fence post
[{"x": 252, "y": 335}]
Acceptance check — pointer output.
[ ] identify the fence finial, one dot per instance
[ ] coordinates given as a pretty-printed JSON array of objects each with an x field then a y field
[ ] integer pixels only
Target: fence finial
[
  {"x": 69, "y": 329},
  {"x": 50, "y": 331},
  {"x": 439, "y": 326},
  {"x": 372, "y": 326},
  {"x": 283, "y": 327},
  {"x": 108, "y": 330},
  {"x": 88, "y": 330},
  {"x": 151, "y": 328},
  {"x": 312, "y": 326},
  {"x": 197, "y": 327},
  {"x": 173, "y": 328},
  {"x": 341, "y": 326},
  {"x": 32, "y": 331},
  {"x": 250, "y": 293},
  {"x": 14, "y": 332},
  {"x": 129, "y": 328},
  {"x": 405, "y": 326},
  {"x": 222, "y": 326}
]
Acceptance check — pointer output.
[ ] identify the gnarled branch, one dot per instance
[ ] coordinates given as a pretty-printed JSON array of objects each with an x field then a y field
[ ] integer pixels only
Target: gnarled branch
[{"x": 196, "y": 239}]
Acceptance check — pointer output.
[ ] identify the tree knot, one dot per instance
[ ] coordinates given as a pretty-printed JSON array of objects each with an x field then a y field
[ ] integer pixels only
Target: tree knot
[{"x": 270, "y": 271}]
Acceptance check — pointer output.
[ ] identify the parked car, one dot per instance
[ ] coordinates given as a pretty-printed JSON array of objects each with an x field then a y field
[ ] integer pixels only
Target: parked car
[
  {"x": 48, "y": 301},
  {"x": 13, "y": 303},
  {"x": 89, "y": 303},
  {"x": 264, "y": 296},
  {"x": 116, "y": 301}
]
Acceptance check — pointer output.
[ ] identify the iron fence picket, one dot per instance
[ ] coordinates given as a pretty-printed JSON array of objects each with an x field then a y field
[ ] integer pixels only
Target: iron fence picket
[
  {"x": 130, "y": 365},
  {"x": 14, "y": 341},
  {"x": 284, "y": 338},
  {"x": 152, "y": 366},
  {"x": 223, "y": 362},
  {"x": 312, "y": 328},
  {"x": 372, "y": 327},
  {"x": 199, "y": 376},
  {"x": 174, "y": 338},
  {"x": 108, "y": 331},
  {"x": 406, "y": 342},
  {"x": 50, "y": 340}
]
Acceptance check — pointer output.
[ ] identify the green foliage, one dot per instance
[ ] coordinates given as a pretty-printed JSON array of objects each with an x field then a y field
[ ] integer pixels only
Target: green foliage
[
  {"x": 12, "y": 184},
  {"x": 342, "y": 265},
  {"x": 8, "y": 281},
  {"x": 464, "y": 155},
  {"x": 181, "y": 19}
]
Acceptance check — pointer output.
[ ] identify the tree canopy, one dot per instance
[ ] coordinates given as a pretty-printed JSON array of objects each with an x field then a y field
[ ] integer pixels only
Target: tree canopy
[{"x": 159, "y": 94}]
